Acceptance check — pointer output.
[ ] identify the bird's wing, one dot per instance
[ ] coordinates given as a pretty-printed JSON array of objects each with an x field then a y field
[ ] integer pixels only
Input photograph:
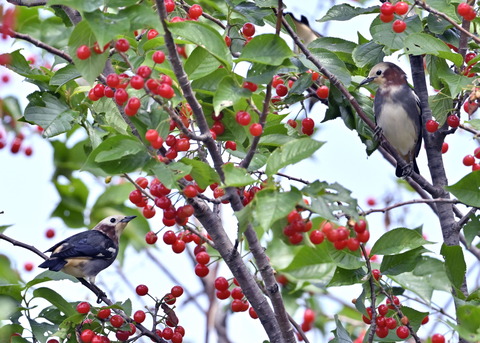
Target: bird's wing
[
  {"x": 88, "y": 244},
  {"x": 419, "y": 108}
]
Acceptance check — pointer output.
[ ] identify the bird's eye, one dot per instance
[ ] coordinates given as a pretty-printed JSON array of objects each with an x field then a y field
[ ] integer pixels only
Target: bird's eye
[
  {"x": 379, "y": 72},
  {"x": 113, "y": 220}
]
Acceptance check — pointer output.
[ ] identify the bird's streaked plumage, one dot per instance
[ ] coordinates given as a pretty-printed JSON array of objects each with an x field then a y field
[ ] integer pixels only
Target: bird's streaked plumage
[
  {"x": 87, "y": 253},
  {"x": 397, "y": 112}
]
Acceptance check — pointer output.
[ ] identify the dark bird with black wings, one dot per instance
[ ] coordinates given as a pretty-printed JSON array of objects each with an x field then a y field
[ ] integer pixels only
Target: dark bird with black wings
[
  {"x": 86, "y": 254},
  {"x": 397, "y": 113}
]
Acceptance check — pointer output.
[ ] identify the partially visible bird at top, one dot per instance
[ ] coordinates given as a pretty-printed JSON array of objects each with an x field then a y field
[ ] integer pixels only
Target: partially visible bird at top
[
  {"x": 397, "y": 113},
  {"x": 87, "y": 253},
  {"x": 303, "y": 29}
]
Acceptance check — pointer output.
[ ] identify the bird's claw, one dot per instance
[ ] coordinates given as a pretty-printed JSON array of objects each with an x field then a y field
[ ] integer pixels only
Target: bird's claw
[
  {"x": 407, "y": 170},
  {"x": 377, "y": 133}
]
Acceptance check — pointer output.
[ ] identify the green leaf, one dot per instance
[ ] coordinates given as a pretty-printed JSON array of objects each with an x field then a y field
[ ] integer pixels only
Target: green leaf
[
  {"x": 82, "y": 6},
  {"x": 397, "y": 241},
  {"x": 200, "y": 63},
  {"x": 4, "y": 227},
  {"x": 92, "y": 66},
  {"x": 346, "y": 12},
  {"x": 469, "y": 317},
  {"x": 64, "y": 75},
  {"x": 118, "y": 154},
  {"x": 271, "y": 206},
  {"x": 467, "y": 189},
  {"x": 169, "y": 174},
  {"x": 114, "y": 195},
  {"x": 55, "y": 299},
  {"x": 401, "y": 263},
  {"x": 331, "y": 62},
  {"x": 454, "y": 264},
  {"x": 472, "y": 229},
  {"x": 422, "y": 43},
  {"x": 202, "y": 173},
  {"x": 204, "y": 36},
  {"x": 106, "y": 26},
  {"x": 21, "y": 66},
  {"x": 49, "y": 112},
  {"x": 344, "y": 277},
  {"x": 228, "y": 93},
  {"x": 266, "y": 49},
  {"x": 341, "y": 47},
  {"x": 291, "y": 153},
  {"x": 341, "y": 335},
  {"x": 236, "y": 176},
  {"x": 50, "y": 276},
  {"x": 441, "y": 104},
  {"x": 368, "y": 54}
]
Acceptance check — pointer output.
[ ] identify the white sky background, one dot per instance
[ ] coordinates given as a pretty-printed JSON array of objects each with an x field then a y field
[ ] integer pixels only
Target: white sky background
[{"x": 28, "y": 198}]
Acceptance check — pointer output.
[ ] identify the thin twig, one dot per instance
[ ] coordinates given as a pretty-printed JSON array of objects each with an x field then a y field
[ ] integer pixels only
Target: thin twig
[{"x": 409, "y": 202}]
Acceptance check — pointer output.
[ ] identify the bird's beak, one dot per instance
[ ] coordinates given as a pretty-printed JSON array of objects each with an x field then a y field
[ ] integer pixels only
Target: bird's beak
[
  {"x": 367, "y": 80},
  {"x": 127, "y": 219}
]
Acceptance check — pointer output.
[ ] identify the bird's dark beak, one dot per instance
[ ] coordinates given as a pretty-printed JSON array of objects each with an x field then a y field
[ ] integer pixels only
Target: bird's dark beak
[
  {"x": 367, "y": 80},
  {"x": 127, "y": 219}
]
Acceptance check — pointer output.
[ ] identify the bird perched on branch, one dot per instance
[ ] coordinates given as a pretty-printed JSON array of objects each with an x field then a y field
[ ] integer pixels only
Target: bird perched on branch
[
  {"x": 397, "y": 113},
  {"x": 86, "y": 254}
]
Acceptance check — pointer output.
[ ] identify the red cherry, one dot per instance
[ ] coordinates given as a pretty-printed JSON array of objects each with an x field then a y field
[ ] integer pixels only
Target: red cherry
[
  {"x": 104, "y": 313},
  {"x": 231, "y": 145},
  {"x": 252, "y": 87},
  {"x": 353, "y": 244},
  {"x": 322, "y": 92},
  {"x": 87, "y": 335},
  {"x": 228, "y": 41},
  {"x": 292, "y": 123},
  {"x": 309, "y": 316},
  {"x": 364, "y": 236},
  {"x": 317, "y": 237},
  {"x": 116, "y": 321},
  {"x": 50, "y": 233},
  {"x": 470, "y": 107},
  {"x": 137, "y": 82},
  {"x": 376, "y": 274},
  {"x": 387, "y": 8},
  {"x": 464, "y": 9},
  {"x": 151, "y": 135},
  {"x": 470, "y": 56},
  {"x": 256, "y": 129},
  {"x": 178, "y": 247},
  {"x": 444, "y": 147},
  {"x": 152, "y": 33},
  {"x": 402, "y": 332},
  {"x": 177, "y": 291},
  {"x": 453, "y": 121},
  {"x": 169, "y": 237},
  {"x": 221, "y": 284},
  {"x": 243, "y": 118},
  {"x": 120, "y": 96},
  {"x": 83, "y": 307},
  {"x": 468, "y": 160},
  {"x": 144, "y": 71},
  {"x": 308, "y": 124},
  {"x": 425, "y": 320},
  {"x": 148, "y": 212},
  {"x": 431, "y": 125},
  {"x": 201, "y": 270},
  {"x": 401, "y": 8},
  {"x": 438, "y": 338},
  {"x": 122, "y": 335},
  {"x": 202, "y": 257},
  {"x": 386, "y": 18},
  {"x": 28, "y": 266},
  {"x": 390, "y": 322},
  {"x": 399, "y": 26},
  {"x": 381, "y": 332},
  {"x": 83, "y": 52},
  {"x": 141, "y": 290},
  {"x": 248, "y": 29},
  {"x": 151, "y": 237},
  {"x": 139, "y": 316},
  {"x": 195, "y": 11},
  {"x": 158, "y": 57},
  {"x": 122, "y": 45},
  {"x": 190, "y": 191},
  {"x": 281, "y": 90},
  {"x": 382, "y": 309},
  {"x": 169, "y": 5}
]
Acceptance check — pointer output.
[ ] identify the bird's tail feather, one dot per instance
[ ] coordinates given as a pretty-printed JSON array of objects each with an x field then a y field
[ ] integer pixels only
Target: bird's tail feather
[{"x": 53, "y": 264}]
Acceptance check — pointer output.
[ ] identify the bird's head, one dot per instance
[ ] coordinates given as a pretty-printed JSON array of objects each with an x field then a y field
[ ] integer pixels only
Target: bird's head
[
  {"x": 386, "y": 73},
  {"x": 113, "y": 226}
]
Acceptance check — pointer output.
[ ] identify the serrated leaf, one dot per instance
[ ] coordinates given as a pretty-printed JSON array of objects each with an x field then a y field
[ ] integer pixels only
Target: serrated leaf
[
  {"x": 291, "y": 153},
  {"x": 204, "y": 36},
  {"x": 454, "y": 264},
  {"x": 344, "y": 277},
  {"x": 64, "y": 75},
  {"x": 200, "y": 63},
  {"x": 267, "y": 49},
  {"x": 236, "y": 176},
  {"x": 271, "y": 205},
  {"x": 341, "y": 335},
  {"x": 49, "y": 112},
  {"x": 421, "y": 43},
  {"x": 118, "y": 154},
  {"x": 441, "y": 104},
  {"x": 331, "y": 62},
  {"x": 383, "y": 34},
  {"x": 368, "y": 54},
  {"x": 346, "y": 12},
  {"x": 82, "y": 6},
  {"x": 397, "y": 241},
  {"x": 341, "y": 47},
  {"x": 467, "y": 189},
  {"x": 106, "y": 26},
  {"x": 252, "y": 12},
  {"x": 169, "y": 174},
  {"x": 228, "y": 93},
  {"x": 401, "y": 263},
  {"x": 472, "y": 229},
  {"x": 201, "y": 172}
]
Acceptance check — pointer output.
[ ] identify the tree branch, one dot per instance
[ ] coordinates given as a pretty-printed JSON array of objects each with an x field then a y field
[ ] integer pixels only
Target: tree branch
[{"x": 414, "y": 201}]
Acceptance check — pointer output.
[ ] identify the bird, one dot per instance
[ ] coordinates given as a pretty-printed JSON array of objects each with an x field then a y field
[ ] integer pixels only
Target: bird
[
  {"x": 304, "y": 30},
  {"x": 397, "y": 113},
  {"x": 87, "y": 253}
]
